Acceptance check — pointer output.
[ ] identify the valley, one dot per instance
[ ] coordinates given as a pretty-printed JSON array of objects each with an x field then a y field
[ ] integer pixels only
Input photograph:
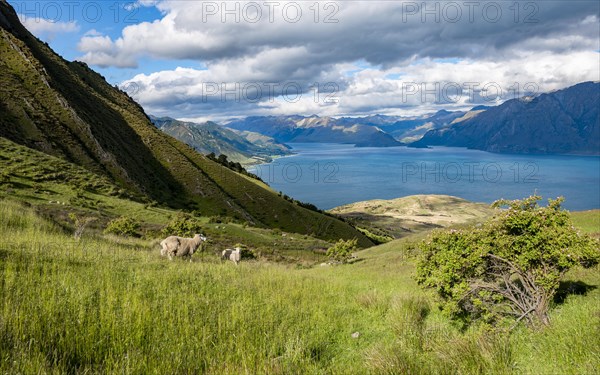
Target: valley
[{"x": 382, "y": 235}]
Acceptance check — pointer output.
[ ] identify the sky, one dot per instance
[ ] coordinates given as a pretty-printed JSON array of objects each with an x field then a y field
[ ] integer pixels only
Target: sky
[{"x": 215, "y": 60}]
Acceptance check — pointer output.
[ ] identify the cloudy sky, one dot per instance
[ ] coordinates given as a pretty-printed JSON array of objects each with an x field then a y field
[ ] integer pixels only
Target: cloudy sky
[{"x": 199, "y": 60}]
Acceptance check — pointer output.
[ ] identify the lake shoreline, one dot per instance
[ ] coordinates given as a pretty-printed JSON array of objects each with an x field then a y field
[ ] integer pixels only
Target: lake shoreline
[{"x": 331, "y": 175}]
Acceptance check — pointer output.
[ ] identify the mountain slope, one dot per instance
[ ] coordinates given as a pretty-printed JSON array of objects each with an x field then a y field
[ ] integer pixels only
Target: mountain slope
[
  {"x": 67, "y": 110},
  {"x": 210, "y": 137},
  {"x": 564, "y": 121},
  {"x": 315, "y": 129},
  {"x": 413, "y": 128}
]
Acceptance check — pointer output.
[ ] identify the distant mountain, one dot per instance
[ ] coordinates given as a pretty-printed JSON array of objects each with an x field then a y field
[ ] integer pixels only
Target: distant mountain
[
  {"x": 315, "y": 129},
  {"x": 410, "y": 129},
  {"x": 372, "y": 120},
  {"x": 564, "y": 121},
  {"x": 209, "y": 137},
  {"x": 67, "y": 110}
]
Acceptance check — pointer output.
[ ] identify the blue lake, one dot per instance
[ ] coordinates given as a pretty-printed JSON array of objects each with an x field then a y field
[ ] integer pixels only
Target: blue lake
[{"x": 330, "y": 175}]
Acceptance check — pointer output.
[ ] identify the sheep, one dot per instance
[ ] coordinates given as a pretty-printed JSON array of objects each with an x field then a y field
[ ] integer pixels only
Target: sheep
[
  {"x": 234, "y": 255},
  {"x": 181, "y": 247}
]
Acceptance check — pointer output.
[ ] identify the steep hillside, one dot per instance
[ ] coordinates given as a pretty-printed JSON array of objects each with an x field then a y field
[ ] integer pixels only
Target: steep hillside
[
  {"x": 316, "y": 129},
  {"x": 67, "y": 110},
  {"x": 565, "y": 121},
  {"x": 210, "y": 137},
  {"x": 55, "y": 189}
]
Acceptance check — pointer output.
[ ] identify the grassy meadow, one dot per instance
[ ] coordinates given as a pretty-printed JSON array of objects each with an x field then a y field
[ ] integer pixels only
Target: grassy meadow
[{"x": 109, "y": 304}]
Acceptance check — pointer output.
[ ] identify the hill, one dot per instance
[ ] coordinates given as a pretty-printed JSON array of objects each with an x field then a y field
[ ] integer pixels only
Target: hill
[
  {"x": 397, "y": 218},
  {"x": 565, "y": 121},
  {"x": 56, "y": 189},
  {"x": 209, "y": 137},
  {"x": 315, "y": 129},
  {"x": 67, "y": 110},
  {"x": 111, "y": 305}
]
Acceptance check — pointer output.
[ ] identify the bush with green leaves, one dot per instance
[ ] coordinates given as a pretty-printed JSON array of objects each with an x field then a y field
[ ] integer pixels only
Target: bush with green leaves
[
  {"x": 246, "y": 252},
  {"x": 123, "y": 226},
  {"x": 509, "y": 268},
  {"x": 342, "y": 250},
  {"x": 183, "y": 226}
]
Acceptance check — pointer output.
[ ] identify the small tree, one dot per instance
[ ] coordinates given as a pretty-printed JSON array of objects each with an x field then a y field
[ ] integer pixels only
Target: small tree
[
  {"x": 510, "y": 267},
  {"x": 80, "y": 223},
  {"x": 122, "y": 226},
  {"x": 342, "y": 250},
  {"x": 184, "y": 225}
]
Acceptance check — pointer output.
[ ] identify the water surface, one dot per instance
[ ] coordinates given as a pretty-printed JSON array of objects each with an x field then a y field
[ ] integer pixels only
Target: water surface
[{"x": 330, "y": 175}]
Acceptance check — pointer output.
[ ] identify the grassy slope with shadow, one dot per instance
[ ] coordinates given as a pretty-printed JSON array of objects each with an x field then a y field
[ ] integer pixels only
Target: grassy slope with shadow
[{"x": 55, "y": 188}]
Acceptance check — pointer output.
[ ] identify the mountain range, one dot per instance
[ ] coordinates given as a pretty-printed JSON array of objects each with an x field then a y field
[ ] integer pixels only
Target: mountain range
[
  {"x": 258, "y": 139},
  {"x": 209, "y": 137},
  {"x": 67, "y": 110},
  {"x": 315, "y": 129},
  {"x": 410, "y": 129},
  {"x": 565, "y": 121}
]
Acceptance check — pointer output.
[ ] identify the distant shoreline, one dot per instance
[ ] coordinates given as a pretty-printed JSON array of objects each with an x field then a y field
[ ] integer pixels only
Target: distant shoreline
[{"x": 330, "y": 175}]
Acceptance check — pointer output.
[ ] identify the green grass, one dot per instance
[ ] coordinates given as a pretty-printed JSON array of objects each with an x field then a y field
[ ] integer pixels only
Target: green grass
[
  {"x": 56, "y": 188},
  {"x": 107, "y": 304},
  {"x": 588, "y": 221}
]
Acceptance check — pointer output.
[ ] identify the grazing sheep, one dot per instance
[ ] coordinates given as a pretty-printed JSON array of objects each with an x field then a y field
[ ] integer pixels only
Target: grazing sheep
[
  {"x": 234, "y": 255},
  {"x": 181, "y": 247}
]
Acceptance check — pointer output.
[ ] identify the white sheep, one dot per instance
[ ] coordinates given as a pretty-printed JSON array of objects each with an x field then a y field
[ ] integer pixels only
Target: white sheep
[
  {"x": 234, "y": 255},
  {"x": 181, "y": 247}
]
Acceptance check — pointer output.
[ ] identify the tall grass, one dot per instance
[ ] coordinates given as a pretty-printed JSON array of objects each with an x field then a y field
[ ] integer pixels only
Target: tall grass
[{"x": 101, "y": 305}]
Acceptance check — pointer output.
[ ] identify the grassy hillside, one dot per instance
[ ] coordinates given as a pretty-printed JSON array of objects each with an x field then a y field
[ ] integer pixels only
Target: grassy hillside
[
  {"x": 108, "y": 305},
  {"x": 397, "y": 218},
  {"x": 67, "y": 110},
  {"x": 55, "y": 188}
]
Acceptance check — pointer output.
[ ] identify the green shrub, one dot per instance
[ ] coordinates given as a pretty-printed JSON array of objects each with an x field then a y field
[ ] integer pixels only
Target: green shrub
[
  {"x": 508, "y": 269},
  {"x": 122, "y": 226},
  {"x": 183, "y": 226},
  {"x": 342, "y": 250}
]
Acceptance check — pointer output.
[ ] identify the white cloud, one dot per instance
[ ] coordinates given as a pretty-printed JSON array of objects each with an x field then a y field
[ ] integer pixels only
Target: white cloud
[
  {"x": 425, "y": 86},
  {"x": 254, "y": 48},
  {"x": 92, "y": 32},
  {"x": 97, "y": 43},
  {"x": 381, "y": 32},
  {"x": 43, "y": 27}
]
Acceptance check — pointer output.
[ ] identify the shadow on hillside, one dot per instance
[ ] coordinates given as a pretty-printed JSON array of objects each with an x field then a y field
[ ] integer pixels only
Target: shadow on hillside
[{"x": 568, "y": 288}]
